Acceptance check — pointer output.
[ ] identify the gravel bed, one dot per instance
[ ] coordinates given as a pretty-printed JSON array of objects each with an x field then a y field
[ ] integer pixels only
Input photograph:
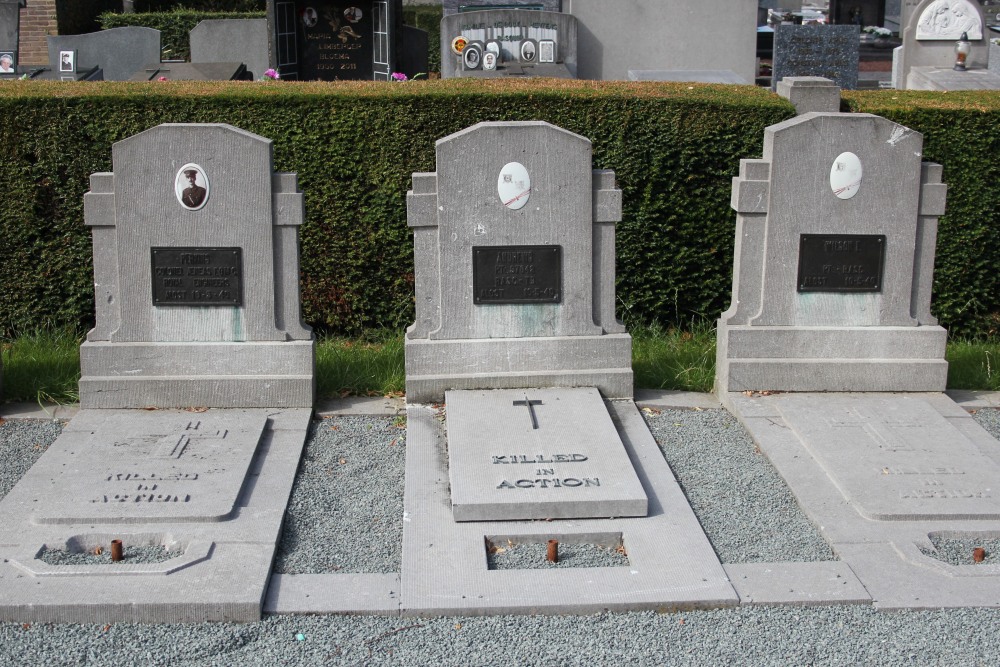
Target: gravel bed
[
  {"x": 22, "y": 441},
  {"x": 346, "y": 508},
  {"x": 744, "y": 506},
  {"x": 131, "y": 554},
  {"x": 748, "y": 636},
  {"x": 532, "y": 556},
  {"x": 989, "y": 419},
  {"x": 959, "y": 551}
]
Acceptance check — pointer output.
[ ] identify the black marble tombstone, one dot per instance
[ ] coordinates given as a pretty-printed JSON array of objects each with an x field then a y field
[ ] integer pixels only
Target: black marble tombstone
[
  {"x": 335, "y": 40},
  {"x": 9, "y": 34},
  {"x": 857, "y": 12}
]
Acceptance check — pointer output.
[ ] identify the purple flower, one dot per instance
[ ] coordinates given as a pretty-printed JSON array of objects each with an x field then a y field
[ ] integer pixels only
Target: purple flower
[
  {"x": 398, "y": 76},
  {"x": 272, "y": 74}
]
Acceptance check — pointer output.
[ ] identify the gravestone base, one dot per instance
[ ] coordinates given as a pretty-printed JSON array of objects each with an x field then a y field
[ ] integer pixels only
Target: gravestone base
[
  {"x": 946, "y": 78},
  {"x": 217, "y": 375},
  {"x": 880, "y": 474},
  {"x": 672, "y": 565},
  {"x": 212, "y": 485},
  {"x": 778, "y": 358},
  {"x": 435, "y": 366}
]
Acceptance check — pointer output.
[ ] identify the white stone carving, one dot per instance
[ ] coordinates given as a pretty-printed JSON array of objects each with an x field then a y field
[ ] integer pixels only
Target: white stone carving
[{"x": 948, "y": 19}]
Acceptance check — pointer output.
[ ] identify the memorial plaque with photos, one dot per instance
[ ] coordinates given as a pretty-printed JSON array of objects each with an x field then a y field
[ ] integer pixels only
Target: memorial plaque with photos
[
  {"x": 841, "y": 262},
  {"x": 197, "y": 276},
  {"x": 517, "y": 274},
  {"x": 336, "y": 39}
]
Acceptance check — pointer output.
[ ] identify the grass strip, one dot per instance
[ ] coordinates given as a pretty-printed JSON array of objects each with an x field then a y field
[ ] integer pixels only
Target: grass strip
[{"x": 44, "y": 366}]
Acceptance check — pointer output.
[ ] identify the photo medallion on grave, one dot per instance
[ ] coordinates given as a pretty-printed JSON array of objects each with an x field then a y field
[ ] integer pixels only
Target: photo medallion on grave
[{"x": 191, "y": 187}]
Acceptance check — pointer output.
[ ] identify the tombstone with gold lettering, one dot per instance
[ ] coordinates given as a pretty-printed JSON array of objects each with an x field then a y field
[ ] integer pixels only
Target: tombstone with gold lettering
[{"x": 196, "y": 275}]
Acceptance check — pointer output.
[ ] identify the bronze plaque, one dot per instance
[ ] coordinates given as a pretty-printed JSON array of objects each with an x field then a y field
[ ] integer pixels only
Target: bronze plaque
[
  {"x": 841, "y": 262},
  {"x": 197, "y": 276},
  {"x": 517, "y": 274}
]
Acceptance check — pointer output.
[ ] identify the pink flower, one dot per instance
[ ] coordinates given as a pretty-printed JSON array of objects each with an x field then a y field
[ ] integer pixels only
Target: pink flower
[
  {"x": 162, "y": 78},
  {"x": 398, "y": 76},
  {"x": 272, "y": 74}
]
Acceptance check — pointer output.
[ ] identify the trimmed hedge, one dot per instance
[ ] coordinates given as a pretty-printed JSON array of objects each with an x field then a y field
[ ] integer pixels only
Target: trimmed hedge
[
  {"x": 674, "y": 148},
  {"x": 174, "y": 27}
]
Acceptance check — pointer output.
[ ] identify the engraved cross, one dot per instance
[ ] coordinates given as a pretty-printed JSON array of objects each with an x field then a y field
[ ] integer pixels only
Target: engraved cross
[
  {"x": 881, "y": 430},
  {"x": 531, "y": 409}
]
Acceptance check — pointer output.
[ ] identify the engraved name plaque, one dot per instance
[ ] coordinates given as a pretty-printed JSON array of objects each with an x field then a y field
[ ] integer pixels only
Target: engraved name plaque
[
  {"x": 517, "y": 274},
  {"x": 841, "y": 262},
  {"x": 197, "y": 276}
]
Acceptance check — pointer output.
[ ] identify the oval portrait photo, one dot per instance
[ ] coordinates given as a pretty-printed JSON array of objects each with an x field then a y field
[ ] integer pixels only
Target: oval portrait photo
[{"x": 191, "y": 187}]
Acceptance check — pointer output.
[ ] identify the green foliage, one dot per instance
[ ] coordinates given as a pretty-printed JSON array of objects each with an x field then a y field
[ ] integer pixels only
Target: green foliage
[
  {"x": 42, "y": 366},
  {"x": 201, "y": 5},
  {"x": 427, "y": 17},
  {"x": 960, "y": 133},
  {"x": 354, "y": 146},
  {"x": 174, "y": 26}
]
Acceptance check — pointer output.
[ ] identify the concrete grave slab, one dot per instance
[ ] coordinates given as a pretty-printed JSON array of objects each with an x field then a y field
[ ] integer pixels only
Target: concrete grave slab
[
  {"x": 877, "y": 523},
  {"x": 819, "y": 583},
  {"x": 671, "y": 563},
  {"x": 119, "y": 52},
  {"x": 225, "y": 40},
  {"x": 224, "y": 547},
  {"x": 537, "y": 454},
  {"x": 161, "y": 467}
]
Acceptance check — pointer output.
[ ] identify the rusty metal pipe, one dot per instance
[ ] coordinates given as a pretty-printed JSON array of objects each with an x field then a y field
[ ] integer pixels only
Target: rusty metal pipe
[
  {"x": 552, "y": 553},
  {"x": 979, "y": 554},
  {"x": 116, "y": 550}
]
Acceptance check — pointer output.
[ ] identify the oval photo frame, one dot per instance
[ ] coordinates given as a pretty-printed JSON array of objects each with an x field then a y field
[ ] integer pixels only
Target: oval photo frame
[
  {"x": 191, "y": 187},
  {"x": 514, "y": 185},
  {"x": 845, "y": 175}
]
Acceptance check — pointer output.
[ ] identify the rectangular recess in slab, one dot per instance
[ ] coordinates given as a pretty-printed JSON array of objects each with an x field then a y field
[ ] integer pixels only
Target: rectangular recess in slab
[
  {"x": 537, "y": 454},
  {"x": 895, "y": 457},
  {"x": 162, "y": 467}
]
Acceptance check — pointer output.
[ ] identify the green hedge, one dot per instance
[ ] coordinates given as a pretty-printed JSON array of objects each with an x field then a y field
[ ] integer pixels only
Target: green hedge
[
  {"x": 174, "y": 27},
  {"x": 427, "y": 17},
  {"x": 674, "y": 148},
  {"x": 201, "y": 5}
]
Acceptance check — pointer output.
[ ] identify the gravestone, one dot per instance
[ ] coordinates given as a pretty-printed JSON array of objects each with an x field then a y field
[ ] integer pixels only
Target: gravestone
[
  {"x": 523, "y": 43},
  {"x": 333, "y": 40},
  {"x": 529, "y": 299},
  {"x": 927, "y": 57},
  {"x": 10, "y": 17},
  {"x": 196, "y": 280},
  {"x": 613, "y": 38},
  {"x": 828, "y": 51},
  {"x": 205, "y": 71},
  {"x": 454, "y": 6},
  {"x": 836, "y": 227},
  {"x": 196, "y": 275},
  {"x": 515, "y": 331},
  {"x": 120, "y": 52},
  {"x": 232, "y": 40}
]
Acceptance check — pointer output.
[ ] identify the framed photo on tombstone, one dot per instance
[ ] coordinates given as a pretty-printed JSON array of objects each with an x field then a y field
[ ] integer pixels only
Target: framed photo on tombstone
[
  {"x": 489, "y": 61},
  {"x": 546, "y": 51},
  {"x": 8, "y": 63},
  {"x": 472, "y": 55},
  {"x": 67, "y": 61},
  {"x": 191, "y": 187},
  {"x": 529, "y": 51}
]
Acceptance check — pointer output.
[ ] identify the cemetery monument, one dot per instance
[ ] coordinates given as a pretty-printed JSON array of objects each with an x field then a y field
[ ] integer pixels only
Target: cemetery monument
[
  {"x": 196, "y": 285},
  {"x": 830, "y": 357}
]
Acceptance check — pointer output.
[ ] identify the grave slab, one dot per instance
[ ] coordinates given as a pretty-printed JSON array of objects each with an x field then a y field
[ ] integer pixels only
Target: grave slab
[
  {"x": 537, "y": 454},
  {"x": 671, "y": 563},
  {"x": 820, "y": 583},
  {"x": 842, "y": 488},
  {"x": 224, "y": 535},
  {"x": 370, "y": 594}
]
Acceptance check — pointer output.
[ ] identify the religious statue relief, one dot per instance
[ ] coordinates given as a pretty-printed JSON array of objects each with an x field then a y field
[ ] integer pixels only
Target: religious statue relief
[{"x": 948, "y": 19}]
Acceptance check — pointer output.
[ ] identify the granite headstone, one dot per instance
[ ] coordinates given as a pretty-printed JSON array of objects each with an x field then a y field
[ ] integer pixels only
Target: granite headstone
[
  {"x": 835, "y": 238},
  {"x": 232, "y": 40},
  {"x": 196, "y": 275},
  {"x": 120, "y": 52},
  {"x": 828, "y": 51}
]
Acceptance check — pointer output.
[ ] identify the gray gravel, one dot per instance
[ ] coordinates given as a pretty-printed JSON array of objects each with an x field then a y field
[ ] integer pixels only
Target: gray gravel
[
  {"x": 346, "y": 508},
  {"x": 528, "y": 556},
  {"x": 21, "y": 443},
  {"x": 131, "y": 554},
  {"x": 707, "y": 448},
  {"x": 746, "y": 510},
  {"x": 959, "y": 552}
]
